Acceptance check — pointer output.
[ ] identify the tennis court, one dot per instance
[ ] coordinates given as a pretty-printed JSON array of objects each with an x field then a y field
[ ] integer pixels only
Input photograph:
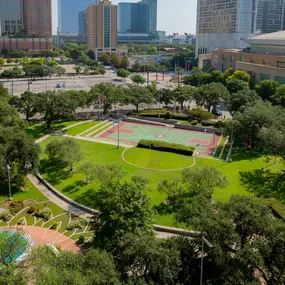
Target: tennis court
[{"x": 132, "y": 133}]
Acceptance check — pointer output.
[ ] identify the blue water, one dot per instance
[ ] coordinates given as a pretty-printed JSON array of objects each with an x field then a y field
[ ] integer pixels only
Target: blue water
[{"x": 21, "y": 250}]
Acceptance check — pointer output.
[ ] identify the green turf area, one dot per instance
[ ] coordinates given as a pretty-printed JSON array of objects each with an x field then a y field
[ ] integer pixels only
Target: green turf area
[
  {"x": 106, "y": 126},
  {"x": 39, "y": 130},
  {"x": 156, "y": 160},
  {"x": 74, "y": 131},
  {"x": 72, "y": 184}
]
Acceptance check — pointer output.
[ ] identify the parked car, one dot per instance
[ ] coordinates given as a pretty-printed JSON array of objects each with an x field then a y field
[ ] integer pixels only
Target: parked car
[{"x": 58, "y": 85}]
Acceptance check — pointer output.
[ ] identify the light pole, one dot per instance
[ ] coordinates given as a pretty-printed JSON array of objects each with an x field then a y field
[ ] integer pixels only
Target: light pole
[
  {"x": 9, "y": 181},
  {"x": 202, "y": 256}
]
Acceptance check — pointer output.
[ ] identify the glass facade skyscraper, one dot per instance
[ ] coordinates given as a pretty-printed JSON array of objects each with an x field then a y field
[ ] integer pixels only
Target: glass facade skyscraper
[
  {"x": 68, "y": 11},
  {"x": 132, "y": 18},
  {"x": 11, "y": 16}
]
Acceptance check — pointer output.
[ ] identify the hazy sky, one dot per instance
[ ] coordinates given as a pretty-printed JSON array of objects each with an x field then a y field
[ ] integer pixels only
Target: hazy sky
[{"x": 174, "y": 16}]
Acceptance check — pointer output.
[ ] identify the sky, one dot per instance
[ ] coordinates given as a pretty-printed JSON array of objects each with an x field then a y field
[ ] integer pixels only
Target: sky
[{"x": 174, "y": 16}]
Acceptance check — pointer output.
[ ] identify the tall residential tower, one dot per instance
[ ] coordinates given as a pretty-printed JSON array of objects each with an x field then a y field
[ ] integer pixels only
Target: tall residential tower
[
  {"x": 224, "y": 24},
  {"x": 102, "y": 27}
]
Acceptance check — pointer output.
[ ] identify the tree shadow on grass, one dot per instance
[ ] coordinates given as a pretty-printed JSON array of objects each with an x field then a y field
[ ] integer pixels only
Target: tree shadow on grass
[
  {"x": 55, "y": 172},
  {"x": 4, "y": 189},
  {"x": 88, "y": 198},
  {"x": 75, "y": 187},
  {"x": 239, "y": 154},
  {"x": 264, "y": 183}
]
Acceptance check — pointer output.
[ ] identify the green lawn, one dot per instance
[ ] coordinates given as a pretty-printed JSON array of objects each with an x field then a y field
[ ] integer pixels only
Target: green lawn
[
  {"x": 72, "y": 184},
  {"x": 157, "y": 160},
  {"x": 39, "y": 130},
  {"x": 106, "y": 126},
  {"x": 81, "y": 128}
]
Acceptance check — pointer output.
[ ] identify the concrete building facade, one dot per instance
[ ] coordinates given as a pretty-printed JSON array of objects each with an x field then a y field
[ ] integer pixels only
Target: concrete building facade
[
  {"x": 102, "y": 28},
  {"x": 265, "y": 59},
  {"x": 224, "y": 24}
]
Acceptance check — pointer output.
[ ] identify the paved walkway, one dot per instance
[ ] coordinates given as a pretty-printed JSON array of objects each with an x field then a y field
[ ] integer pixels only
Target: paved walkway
[
  {"x": 43, "y": 236},
  {"x": 56, "y": 200}
]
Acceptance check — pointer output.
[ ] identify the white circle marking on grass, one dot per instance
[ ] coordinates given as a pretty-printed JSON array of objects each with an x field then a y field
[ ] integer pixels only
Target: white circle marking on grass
[{"x": 153, "y": 169}]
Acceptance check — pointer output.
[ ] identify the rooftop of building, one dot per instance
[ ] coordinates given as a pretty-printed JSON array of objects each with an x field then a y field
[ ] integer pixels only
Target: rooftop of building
[{"x": 277, "y": 38}]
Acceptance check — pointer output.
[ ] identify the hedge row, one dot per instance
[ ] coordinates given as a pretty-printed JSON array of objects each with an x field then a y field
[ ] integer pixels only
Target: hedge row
[{"x": 167, "y": 147}]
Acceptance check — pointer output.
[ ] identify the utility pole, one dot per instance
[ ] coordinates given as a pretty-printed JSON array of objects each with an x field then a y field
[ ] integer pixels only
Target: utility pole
[
  {"x": 202, "y": 257},
  {"x": 9, "y": 181}
]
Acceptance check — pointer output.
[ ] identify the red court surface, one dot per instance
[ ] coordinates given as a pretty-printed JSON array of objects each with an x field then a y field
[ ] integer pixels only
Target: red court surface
[
  {"x": 131, "y": 133},
  {"x": 43, "y": 236}
]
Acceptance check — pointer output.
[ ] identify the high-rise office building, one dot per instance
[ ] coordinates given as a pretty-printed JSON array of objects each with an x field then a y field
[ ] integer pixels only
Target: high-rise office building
[
  {"x": 102, "y": 27},
  {"x": 82, "y": 24},
  {"x": 132, "y": 18},
  {"x": 152, "y": 15},
  {"x": 270, "y": 15},
  {"x": 37, "y": 18},
  {"x": 68, "y": 11},
  {"x": 224, "y": 24},
  {"x": 11, "y": 17}
]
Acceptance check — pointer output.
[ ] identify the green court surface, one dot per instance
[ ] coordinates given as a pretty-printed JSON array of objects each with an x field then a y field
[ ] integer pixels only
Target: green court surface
[{"x": 133, "y": 133}]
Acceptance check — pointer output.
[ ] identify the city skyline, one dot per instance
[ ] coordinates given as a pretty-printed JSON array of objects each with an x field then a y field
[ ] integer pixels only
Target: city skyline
[{"x": 186, "y": 15}]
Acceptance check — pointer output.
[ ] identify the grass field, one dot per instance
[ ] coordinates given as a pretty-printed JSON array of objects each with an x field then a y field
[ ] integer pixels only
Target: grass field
[
  {"x": 72, "y": 184},
  {"x": 74, "y": 131},
  {"x": 38, "y": 130}
]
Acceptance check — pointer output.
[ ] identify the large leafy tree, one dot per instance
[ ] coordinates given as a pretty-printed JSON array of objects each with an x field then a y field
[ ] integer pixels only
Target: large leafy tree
[
  {"x": 137, "y": 95},
  {"x": 123, "y": 73},
  {"x": 115, "y": 60},
  {"x": 198, "y": 79},
  {"x": 94, "y": 268},
  {"x": 56, "y": 106},
  {"x": 124, "y": 208},
  {"x": 210, "y": 94},
  {"x": 105, "y": 58},
  {"x": 138, "y": 79},
  {"x": 124, "y": 62},
  {"x": 65, "y": 151},
  {"x": 28, "y": 104},
  {"x": 183, "y": 94},
  {"x": 266, "y": 89},
  {"x": 279, "y": 97},
  {"x": 242, "y": 234},
  {"x": 165, "y": 96}
]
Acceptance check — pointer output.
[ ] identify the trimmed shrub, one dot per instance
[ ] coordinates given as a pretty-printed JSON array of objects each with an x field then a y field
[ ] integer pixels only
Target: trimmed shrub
[
  {"x": 76, "y": 224},
  {"x": 200, "y": 115},
  {"x": 53, "y": 226},
  {"x": 31, "y": 210},
  {"x": 167, "y": 147},
  {"x": 81, "y": 239},
  {"x": 44, "y": 213},
  {"x": 194, "y": 122},
  {"x": 6, "y": 216},
  {"x": 16, "y": 207}
]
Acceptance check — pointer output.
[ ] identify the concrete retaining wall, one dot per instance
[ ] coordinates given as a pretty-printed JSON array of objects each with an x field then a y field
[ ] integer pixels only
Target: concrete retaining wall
[
  {"x": 157, "y": 120},
  {"x": 131, "y": 120},
  {"x": 66, "y": 199}
]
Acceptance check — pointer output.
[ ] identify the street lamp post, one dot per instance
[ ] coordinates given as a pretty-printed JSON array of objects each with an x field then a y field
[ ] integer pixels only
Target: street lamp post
[
  {"x": 202, "y": 257},
  {"x": 9, "y": 181}
]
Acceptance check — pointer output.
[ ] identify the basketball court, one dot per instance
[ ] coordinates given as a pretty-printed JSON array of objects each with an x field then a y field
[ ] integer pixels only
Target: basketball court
[{"x": 132, "y": 133}]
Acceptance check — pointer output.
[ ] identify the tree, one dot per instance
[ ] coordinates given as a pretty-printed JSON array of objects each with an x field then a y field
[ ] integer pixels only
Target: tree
[
  {"x": 56, "y": 106},
  {"x": 102, "y": 69},
  {"x": 123, "y": 73},
  {"x": 266, "y": 89},
  {"x": 105, "y": 94},
  {"x": 235, "y": 85},
  {"x": 124, "y": 62},
  {"x": 2, "y": 61},
  {"x": 64, "y": 151},
  {"x": 183, "y": 94},
  {"x": 240, "y": 75},
  {"x": 109, "y": 172},
  {"x": 279, "y": 97},
  {"x": 240, "y": 99},
  {"x": 136, "y": 66},
  {"x": 137, "y": 95},
  {"x": 210, "y": 94},
  {"x": 115, "y": 60},
  {"x": 91, "y": 54},
  {"x": 89, "y": 170},
  {"x": 27, "y": 104},
  {"x": 52, "y": 63},
  {"x": 217, "y": 76},
  {"x": 138, "y": 79},
  {"x": 145, "y": 257},
  {"x": 78, "y": 69},
  {"x": 20, "y": 152},
  {"x": 94, "y": 268},
  {"x": 124, "y": 209},
  {"x": 105, "y": 58},
  {"x": 165, "y": 95},
  {"x": 194, "y": 182},
  {"x": 60, "y": 71},
  {"x": 242, "y": 233},
  {"x": 197, "y": 79}
]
